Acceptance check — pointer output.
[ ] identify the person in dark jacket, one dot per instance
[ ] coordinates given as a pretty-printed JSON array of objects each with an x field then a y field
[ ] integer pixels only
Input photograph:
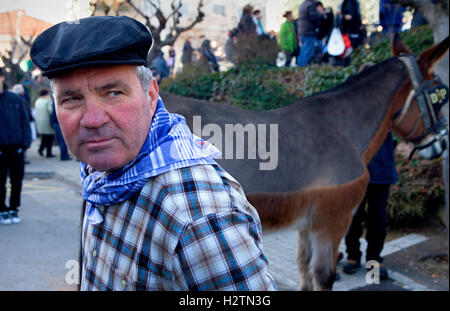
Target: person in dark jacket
[
  {"x": 351, "y": 21},
  {"x": 391, "y": 16},
  {"x": 208, "y": 60},
  {"x": 15, "y": 138},
  {"x": 382, "y": 174},
  {"x": 246, "y": 25},
  {"x": 188, "y": 50},
  {"x": 309, "y": 16},
  {"x": 161, "y": 66}
]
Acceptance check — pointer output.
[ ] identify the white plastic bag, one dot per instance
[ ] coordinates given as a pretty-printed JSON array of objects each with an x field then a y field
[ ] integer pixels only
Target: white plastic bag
[
  {"x": 336, "y": 45},
  {"x": 281, "y": 59}
]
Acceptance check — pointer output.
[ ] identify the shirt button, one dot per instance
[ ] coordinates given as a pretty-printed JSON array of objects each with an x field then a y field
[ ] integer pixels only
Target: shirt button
[
  {"x": 124, "y": 283},
  {"x": 94, "y": 253}
]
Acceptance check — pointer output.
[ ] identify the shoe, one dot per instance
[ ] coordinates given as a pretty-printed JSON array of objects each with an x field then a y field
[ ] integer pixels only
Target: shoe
[
  {"x": 14, "y": 216},
  {"x": 41, "y": 153},
  {"x": 66, "y": 159},
  {"x": 4, "y": 218},
  {"x": 351, "y": 266},
  {"x": 51, "y": 156},
  {"x": 337, "y": 276}
]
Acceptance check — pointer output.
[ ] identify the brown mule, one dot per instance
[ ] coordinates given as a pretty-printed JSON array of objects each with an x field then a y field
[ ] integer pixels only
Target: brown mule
[{"x": 323, "y": 143}]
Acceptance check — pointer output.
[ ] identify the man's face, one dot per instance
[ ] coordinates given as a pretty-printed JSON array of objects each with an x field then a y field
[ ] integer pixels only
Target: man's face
[{"x": 104, "y": 114}]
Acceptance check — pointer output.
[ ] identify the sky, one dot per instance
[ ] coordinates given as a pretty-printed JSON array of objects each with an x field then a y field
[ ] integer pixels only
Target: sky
[{"x": 52, "y": 11}]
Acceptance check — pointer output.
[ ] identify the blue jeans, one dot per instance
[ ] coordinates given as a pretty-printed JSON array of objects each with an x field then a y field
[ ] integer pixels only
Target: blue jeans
[{"x": 306, "y": 50}]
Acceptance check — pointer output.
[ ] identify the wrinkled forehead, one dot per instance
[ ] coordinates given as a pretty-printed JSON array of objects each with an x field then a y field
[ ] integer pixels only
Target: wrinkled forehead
[{"x": 95, "y": 76}]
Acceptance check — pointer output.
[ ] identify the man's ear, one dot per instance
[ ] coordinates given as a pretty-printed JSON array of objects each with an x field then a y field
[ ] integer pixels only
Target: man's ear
[{"x": 153, "y": 92}]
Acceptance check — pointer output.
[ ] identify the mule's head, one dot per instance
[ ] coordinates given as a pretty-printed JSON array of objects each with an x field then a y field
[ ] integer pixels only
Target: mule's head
[{"x": 420, "y": 119}]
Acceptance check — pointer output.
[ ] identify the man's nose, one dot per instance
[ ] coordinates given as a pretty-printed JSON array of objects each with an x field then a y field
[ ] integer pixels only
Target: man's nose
[{"x": 94, "y": 115}]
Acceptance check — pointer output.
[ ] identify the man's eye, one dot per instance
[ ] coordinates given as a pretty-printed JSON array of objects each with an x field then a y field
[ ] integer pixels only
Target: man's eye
[
  {"x": 70, "y": 100},
  {"x": 114, "y": 93}
]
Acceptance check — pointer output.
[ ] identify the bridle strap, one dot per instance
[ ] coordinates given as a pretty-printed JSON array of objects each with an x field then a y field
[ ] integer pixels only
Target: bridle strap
[
  {"x": 405, "y": 108},
  {"x": 417, "y": 81}
]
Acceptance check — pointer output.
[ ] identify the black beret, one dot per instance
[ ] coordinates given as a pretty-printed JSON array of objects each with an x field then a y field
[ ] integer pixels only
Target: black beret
[{"x": 91, "y": 41}]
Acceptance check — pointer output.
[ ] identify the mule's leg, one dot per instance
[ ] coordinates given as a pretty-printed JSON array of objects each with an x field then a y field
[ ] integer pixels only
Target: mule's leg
[
  {"x": 323, "y": 264},
  {"x": 303, "y": 260},
  {"x": 325, "y": 244}
]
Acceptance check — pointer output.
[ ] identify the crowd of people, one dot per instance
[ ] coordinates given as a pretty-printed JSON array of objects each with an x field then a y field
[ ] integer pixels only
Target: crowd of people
[
  {"x": 306, "y": 38},
  {"x": 301, "y": 40}
]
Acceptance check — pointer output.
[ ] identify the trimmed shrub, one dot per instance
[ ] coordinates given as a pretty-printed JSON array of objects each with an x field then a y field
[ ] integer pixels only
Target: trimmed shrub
[
  {"x": 255, "y": 50},
  {"x": 418, "y": 194}
]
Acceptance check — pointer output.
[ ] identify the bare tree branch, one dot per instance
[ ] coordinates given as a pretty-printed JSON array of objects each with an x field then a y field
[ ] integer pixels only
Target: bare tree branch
[{"x": 168, "y": 22}]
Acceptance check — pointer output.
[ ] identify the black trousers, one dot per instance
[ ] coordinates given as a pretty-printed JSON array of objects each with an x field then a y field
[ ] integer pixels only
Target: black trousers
[
  {"x": 376, "y": 199},
  {"x": 12, "y": 163},
  {"x": 46, "y": 143}
]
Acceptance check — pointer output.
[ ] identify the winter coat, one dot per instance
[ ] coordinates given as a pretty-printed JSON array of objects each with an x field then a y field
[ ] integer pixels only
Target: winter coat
[
  {"x": 308, "y": 19},
  {"x": 352, "y": 26},
  {"x": 14, "y": 121},
  {"x": 287, "y": 38},
  {"x": 246, "y": 26},
  {"x": 186, "y": 58},
  {"x": 161, "y": 65},
  {"x": 44, "y": 109}
]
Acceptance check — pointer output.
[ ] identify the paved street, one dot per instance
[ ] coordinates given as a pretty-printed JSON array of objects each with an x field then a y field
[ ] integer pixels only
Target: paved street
[{"x": 35, "y": 252}]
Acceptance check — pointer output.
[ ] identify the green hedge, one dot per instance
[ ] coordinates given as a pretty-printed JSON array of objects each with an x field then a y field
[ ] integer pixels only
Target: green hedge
[
  {"x": 418, "y": 194},
  {"x": 260, "y": 86}
]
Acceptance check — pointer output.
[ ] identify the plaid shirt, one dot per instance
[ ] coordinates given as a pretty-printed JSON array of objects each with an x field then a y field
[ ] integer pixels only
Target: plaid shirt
[{"x": 190, "y": 228}]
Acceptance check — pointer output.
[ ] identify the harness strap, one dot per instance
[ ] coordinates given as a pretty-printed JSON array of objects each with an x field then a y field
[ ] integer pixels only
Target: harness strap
[{"x": 417, "y": 83}]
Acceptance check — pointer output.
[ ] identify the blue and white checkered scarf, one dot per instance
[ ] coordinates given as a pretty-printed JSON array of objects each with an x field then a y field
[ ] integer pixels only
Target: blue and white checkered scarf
[{"x": 169, "y": 145}]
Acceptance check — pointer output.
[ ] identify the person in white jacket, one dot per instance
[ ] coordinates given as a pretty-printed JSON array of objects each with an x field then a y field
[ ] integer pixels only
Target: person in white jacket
[{"x": 44, "y": 109}]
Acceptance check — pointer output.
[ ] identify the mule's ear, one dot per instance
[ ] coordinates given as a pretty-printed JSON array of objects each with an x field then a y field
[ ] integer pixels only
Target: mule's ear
[
  {"x": 432, "y": 55},
  {"x": 398, "y": 47}
]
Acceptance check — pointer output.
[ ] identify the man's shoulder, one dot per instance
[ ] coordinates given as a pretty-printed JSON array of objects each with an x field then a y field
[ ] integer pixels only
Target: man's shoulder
[
  {"x": 190, "y": 193},
  {"x": 12, "y": 96}
]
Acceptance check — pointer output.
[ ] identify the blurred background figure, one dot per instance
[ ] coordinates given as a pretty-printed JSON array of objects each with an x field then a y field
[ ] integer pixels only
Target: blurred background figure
[
  {"x": 160, "y": 64},
  {"x": 309, "y": 16},
  {"x": 246, "y": 25},
  {"x": 186, "y": 57},
  {"x": 15, "y": 138},
  {"x": 171, "y": 61},
  {"x": 258, "y": 23},
  {"x": 391, "y": 17},
  {"x": 230, "y": 45},
  {"x": 208, "y": 60},
  {"x": 351, "y": 24},
  {"x": 287, "y": 38},
  {"x": 20, "y": 90},
  {"x": 44, "y": 109}
]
